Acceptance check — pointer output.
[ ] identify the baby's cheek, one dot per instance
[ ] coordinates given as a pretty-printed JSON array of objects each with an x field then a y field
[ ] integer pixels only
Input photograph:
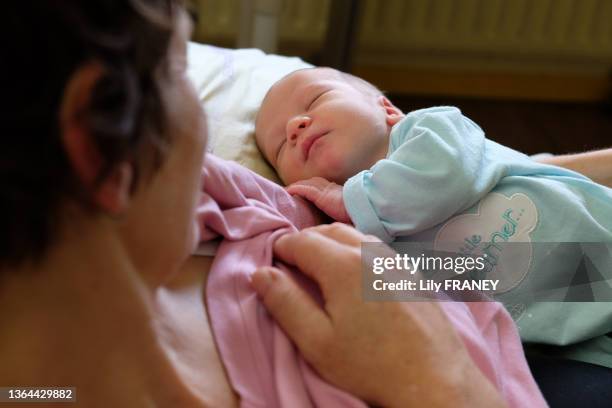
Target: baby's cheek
[{"x": 292, "y": 173}]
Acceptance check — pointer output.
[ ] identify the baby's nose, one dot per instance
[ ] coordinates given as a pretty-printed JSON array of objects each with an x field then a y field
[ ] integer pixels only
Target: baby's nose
[{"x": 296, "y": 126}]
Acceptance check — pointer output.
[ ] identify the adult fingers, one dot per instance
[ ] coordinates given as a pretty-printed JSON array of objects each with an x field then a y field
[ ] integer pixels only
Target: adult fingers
[
  {"x": 296, "y": 312},
  {"x": 343, "y": 233},
  {"x": 317, "y": 256}
]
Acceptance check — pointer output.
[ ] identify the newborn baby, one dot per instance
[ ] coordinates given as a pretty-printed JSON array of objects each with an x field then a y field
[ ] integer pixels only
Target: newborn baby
[
  {"x": 339, "y": 142},
  {"x": 432, "y": 176}
]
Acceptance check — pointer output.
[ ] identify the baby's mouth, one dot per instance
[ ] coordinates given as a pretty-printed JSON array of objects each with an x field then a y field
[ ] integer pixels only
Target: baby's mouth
[{"x": 307, "y": 144}]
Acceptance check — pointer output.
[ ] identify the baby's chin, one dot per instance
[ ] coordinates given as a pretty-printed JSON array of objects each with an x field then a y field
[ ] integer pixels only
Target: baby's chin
[
  {"x": 286, "y": 180},
  {"x": 330, "y": 168},
  {"x": 340, "y": 173}
]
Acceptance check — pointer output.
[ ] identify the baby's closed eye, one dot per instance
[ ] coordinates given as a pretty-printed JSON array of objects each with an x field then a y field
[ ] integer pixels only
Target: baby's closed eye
[
  {"x": 278, "y": 151},
  {"x": 316, "y": 98}
]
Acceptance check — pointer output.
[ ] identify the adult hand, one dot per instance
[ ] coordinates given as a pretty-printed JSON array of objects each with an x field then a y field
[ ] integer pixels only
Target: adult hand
[
  {"x": 596, "y": 165},
  {"x": 387, "y": 353},
  {"x": 326, "y": 195}
]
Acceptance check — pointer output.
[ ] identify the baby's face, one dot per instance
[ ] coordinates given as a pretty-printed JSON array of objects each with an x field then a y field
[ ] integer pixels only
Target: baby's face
[{"x": 314, "y": 123}]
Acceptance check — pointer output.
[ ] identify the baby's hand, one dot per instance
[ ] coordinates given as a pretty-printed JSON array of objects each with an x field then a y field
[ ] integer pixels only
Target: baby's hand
[{"x": 326, "y": 195}]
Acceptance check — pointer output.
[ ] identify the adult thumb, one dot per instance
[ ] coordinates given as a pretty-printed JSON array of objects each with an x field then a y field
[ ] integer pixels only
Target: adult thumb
[{"x": 296, "y": 312}]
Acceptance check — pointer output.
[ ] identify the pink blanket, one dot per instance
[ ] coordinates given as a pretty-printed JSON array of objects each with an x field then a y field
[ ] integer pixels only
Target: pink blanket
[{"x": 263, "y": 365}]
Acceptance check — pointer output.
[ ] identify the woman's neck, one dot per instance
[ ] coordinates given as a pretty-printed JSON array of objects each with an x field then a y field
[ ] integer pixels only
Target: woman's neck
[{"x": 84, "y": 317}]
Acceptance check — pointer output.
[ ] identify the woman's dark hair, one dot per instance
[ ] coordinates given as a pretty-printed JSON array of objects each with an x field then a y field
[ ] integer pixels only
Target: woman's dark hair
[{"x": 46, "y": 42}]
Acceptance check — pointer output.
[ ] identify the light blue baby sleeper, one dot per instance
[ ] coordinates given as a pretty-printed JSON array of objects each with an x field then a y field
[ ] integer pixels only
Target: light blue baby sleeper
[{"x": 442, "y": 180}]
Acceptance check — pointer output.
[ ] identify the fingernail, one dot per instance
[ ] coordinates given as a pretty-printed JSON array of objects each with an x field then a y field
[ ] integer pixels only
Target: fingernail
[{"x": 261, "y": 280}]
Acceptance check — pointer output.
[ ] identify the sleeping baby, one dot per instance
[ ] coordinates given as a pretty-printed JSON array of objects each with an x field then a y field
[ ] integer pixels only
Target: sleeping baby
[{"x": 431, "y": 175}]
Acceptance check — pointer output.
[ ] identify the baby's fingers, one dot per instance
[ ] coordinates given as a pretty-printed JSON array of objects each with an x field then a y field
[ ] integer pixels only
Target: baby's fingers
[
  {"x": 318, "y": 182},
  {"x": 303, "y": 190}
]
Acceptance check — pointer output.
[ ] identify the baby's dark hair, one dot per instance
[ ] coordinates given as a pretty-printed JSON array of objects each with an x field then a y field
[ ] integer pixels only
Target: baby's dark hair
[{"x": 45, "y": 42}]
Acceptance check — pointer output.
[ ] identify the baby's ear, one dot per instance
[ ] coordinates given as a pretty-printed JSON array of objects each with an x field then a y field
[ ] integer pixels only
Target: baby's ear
[{"x": 393, "y": 114}]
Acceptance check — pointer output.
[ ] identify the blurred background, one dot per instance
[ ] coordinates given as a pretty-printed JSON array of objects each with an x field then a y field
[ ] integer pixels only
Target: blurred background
[{"x": 536, "y": 75}]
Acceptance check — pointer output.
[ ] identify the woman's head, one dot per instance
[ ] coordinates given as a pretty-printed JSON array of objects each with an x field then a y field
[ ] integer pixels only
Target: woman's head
[{"x": 100, "y": 110}]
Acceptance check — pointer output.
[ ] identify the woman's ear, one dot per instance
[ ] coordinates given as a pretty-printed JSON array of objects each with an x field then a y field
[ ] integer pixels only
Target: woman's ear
[
  {"x": 393, "y": 114},
  {"x": 112, "y": 194}
]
